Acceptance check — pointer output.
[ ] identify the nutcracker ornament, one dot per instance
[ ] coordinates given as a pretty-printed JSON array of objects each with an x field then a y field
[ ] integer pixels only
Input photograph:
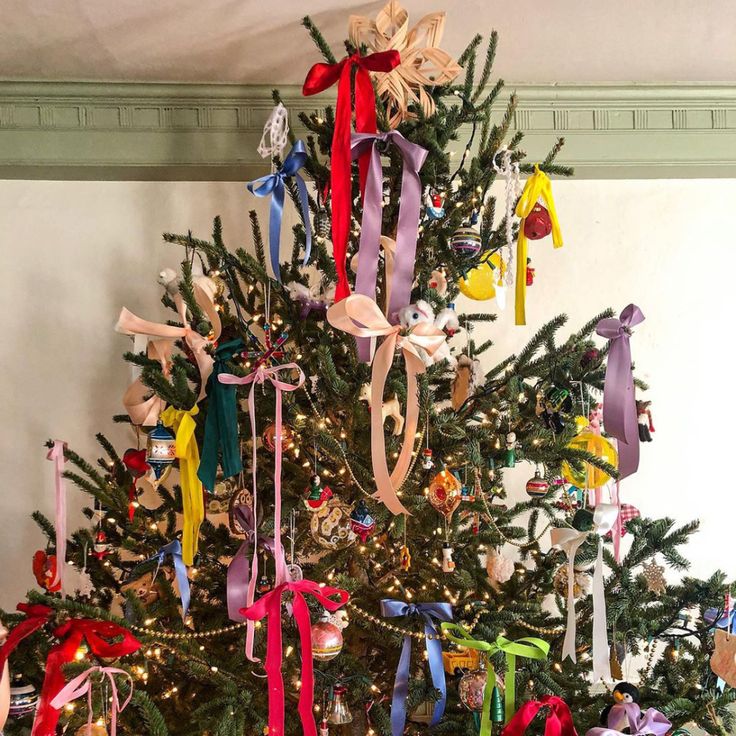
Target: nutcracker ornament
[
  {"x": 101, "y": 547},
  {"x": 448, "y": 565},
  {"x": 317, "y": 496},
  {"x": 644, "y": 416},
  {"x": 511, "y": 446},
  {"x": 529, "y": 273}
]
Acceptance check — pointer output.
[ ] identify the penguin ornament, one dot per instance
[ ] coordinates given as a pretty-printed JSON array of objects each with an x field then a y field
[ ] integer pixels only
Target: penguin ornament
[{"x": 613, "y": 716}]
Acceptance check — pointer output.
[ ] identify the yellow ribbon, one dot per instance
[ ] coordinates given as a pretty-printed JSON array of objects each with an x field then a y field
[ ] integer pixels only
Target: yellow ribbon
[
  {"x": 360, "y": 316},
  {"x": 537, "y": 185},
  {"x": 529, "y": 647},
  {"x": 182, "y": 423}
]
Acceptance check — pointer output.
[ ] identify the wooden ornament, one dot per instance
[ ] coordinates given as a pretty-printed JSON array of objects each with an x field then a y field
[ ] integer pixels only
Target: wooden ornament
[{"x": 723, "y": 659}]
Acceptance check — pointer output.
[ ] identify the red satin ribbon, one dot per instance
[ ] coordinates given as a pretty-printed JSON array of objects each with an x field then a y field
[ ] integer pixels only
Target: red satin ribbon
[
  {"x": 270, "y": 606},
  {"x": 36, "y": 617},
  {"x": 319, "y": 78},
  {"x": 559, "y": 719},
  {"x": 135, "y": 462}
]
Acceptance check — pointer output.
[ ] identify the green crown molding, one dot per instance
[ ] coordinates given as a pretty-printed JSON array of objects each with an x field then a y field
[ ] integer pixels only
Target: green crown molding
[{"x": 92, "y": 130}]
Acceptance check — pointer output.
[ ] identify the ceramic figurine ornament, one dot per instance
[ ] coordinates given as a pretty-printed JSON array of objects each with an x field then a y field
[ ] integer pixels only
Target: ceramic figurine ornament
[
  {"x": 623, "y": 693},
  {"x": 390, "y": 408},
  {"x": 427, "y": 462},
  {"x": 434, "y": 205},
  {"x": 317, "y": 496},
  {"x": 448, "y": 565},
  {"x": 511, "y": 446},
  {"x": 446, "y": 320},
  {"x": 438, "y": 282},
  {"x": 644, "y": 417}
]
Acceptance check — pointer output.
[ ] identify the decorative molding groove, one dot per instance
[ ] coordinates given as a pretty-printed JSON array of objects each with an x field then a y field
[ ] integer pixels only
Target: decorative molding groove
[{"x": 85, "y": 130}]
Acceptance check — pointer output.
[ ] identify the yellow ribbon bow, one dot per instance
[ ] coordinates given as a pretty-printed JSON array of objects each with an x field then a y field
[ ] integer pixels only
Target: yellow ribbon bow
[
  {"x": 183, "y": 424},
  {"x": 537, "y": 185},
  {"x": 529, "y": 647},
  {"x": 360, "y": 316}
]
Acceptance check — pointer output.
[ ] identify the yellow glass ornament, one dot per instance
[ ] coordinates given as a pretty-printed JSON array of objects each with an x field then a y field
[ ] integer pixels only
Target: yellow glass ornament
[
  {"x": 589, "y": 476},
  {"x": 480, "y": 282}
]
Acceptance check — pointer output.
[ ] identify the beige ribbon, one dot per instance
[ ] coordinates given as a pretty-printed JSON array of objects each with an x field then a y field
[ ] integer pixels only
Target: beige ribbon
[
  {"x": 569, "y": 541},
  {"x": 146, "y": 411},
  {"x": 389, "y": 253},
  {"x": 360, "y": 316},
  {"x": 130, "y": 324}
]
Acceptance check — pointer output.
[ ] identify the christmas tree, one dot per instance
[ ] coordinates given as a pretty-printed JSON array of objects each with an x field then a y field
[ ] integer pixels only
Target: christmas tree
[{"x": 261, "y": 461}]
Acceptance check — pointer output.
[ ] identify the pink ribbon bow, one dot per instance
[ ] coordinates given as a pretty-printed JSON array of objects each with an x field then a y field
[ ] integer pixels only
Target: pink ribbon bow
[
  {"x": 82, "y": 685},
  {"x": 619, "y": 401},
  {"x": 360, "y": 316},
  {"x": 259, "y": 376},
  {"x": 56, "y": 455},
  {"x": 270, "y": 606},
  {"x": 130, "y": 324}
]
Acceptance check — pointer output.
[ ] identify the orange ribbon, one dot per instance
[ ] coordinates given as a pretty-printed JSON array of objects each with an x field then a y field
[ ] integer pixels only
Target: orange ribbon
[
  {"x": 130, "y": 324},
  {"x": 360, "y": 316}
]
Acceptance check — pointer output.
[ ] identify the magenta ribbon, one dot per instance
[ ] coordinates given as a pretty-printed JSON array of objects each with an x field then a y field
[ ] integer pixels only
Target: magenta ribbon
[
  {"x": 239, "y": 570},
  {"x": 260, "y": 375},
  {"x": 407, "y": 227},
  {"x": 640, "y": 724},
  {"x": 56, "y": 455},
  {"x": 82, "y": 685},
  {"x": 269, "y": 606},
  {"x": 619, "y": 401}
]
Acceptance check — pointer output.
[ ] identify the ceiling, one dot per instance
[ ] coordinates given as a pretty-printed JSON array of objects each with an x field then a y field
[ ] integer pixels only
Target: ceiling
[{"x": 250, "y": 42}]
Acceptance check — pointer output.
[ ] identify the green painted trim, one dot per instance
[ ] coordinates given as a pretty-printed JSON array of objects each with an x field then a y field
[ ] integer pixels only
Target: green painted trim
[{"x": 92, "y": 130}]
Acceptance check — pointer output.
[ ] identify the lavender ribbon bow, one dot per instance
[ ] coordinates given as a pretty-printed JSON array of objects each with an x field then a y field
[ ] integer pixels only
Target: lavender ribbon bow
[
  {"x": 651, "y": 722},
  {"x": 619, "y": 402},
  {"x": 428, "y": 611},
  {"x": 241, "y": 571},
  {"x": 407, "y": 227}
]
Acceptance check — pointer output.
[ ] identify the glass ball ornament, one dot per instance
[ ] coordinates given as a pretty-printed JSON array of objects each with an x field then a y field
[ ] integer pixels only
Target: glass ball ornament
[
  {"x": 23, "y": 697},
  {"x": 96, "y": 729},
  {"x": 479, "y": 283},
  {"x": 445, "y": 493},
  {"x": 465, "y": 241},
  {"x": 583, "y": 474},
  {"x": 339, "y": 713},
  {"x": 326, "y": 640},
  {"x": 471, "y": 687},
  {"x": 160, "y": 450},
  {"x": 537, "y": 487},
  {"x": 331, "y": 526},
  {"x": 269, "y": 437}
]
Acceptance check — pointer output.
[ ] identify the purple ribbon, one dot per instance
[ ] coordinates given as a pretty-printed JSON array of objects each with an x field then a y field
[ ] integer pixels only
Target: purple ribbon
[
  {"x": 619, "y": 400},
  {"x": 407, "y": 228},
  {"x": 242, "y": 572},
  {"x": 428, "y": 611},
  {"x": 650, "y": 722}
]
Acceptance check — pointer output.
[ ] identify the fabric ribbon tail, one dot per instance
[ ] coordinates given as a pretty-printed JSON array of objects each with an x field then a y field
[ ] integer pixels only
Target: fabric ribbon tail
[
  {"x": 183, "y": 582},
  {"x": 304, "y": 201},
  {"x": 521, "y": 256},
  {"x": 568, "y": 647},
  {"x": 436, "y": 668},
  {"x": 401, "y": 690},
  {"x": 274, "y": 228},
  {"x": 601, "y": 658},
  {"x": 56, "y": 455}
]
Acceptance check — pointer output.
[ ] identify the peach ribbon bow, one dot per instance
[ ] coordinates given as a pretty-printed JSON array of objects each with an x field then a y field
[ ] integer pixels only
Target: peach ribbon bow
[
  {"x": 140, "y": 411},
  {"x": 360, "y": 316}
]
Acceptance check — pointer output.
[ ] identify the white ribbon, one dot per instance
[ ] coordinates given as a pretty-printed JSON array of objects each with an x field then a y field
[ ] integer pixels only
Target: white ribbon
[
  {"x": 275, "y": 133},
  {"x": 569, "y": 540}
]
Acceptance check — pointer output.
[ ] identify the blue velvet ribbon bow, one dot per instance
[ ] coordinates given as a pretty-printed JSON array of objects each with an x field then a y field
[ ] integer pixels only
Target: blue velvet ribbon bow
[
  {"x": 274, "y": 185},
  {"x": 429, "y": 612},
  {"x": 174, "y": 549}
]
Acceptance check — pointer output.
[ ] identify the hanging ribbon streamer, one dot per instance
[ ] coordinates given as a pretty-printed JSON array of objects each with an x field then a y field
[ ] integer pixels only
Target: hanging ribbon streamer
[
  {"x": 99, "y": 636},
  {"x": 537, "y": 185},
  {"x": 129, "y": 324},
  {"x": 651, "y": 722},
  {"x": 82, "y": 685},
  {"x": 144, "y": 406},
  {"x": 570, "y": 540},
  {"x": 619, "y": 400},
  {"x": 183, "y": 424},
  {"x": 259, "y": 376},
  {"x": 220, "y": 442},
  {"x": 319, "y": 78},
  {"x": 360, "y": 316},
  {"x": 56, "y": 455},
  {"x": 269, "y": 606},
  {"x": 174, "y": 549},
  {"x": 239, "y": 572},
  {"x": 406, "y": 231},
  {"x": 529, "y": 647},
  {"x": 273, "y": 184},
  {"x": 429, "y": 612},
  {"x": 135, "y": 463},
  {"x": 559, "y": 719}
]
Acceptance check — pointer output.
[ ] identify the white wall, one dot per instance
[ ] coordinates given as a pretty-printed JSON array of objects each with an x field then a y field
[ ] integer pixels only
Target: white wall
[{"x": 72, "y": 253}]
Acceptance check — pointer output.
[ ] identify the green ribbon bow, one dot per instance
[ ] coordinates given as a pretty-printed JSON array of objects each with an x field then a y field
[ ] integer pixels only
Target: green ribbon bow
[
  {"x": 529, "y": 647},
  {"x": 221, "y": 425}
]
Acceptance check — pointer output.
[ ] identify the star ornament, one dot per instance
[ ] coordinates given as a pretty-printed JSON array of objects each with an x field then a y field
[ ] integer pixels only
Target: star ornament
[
  {"x": 423, "y": 64},
  {"x": 654, "y": 577}
]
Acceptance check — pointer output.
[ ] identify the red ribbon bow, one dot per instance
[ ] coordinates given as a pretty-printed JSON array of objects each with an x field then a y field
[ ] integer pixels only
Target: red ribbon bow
[
  {"x": 559, "y": 719},
  {"x": 270, "y": 606},
  {"x": 71, "y": 634},
  {"x": 319, "y": 78}
]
